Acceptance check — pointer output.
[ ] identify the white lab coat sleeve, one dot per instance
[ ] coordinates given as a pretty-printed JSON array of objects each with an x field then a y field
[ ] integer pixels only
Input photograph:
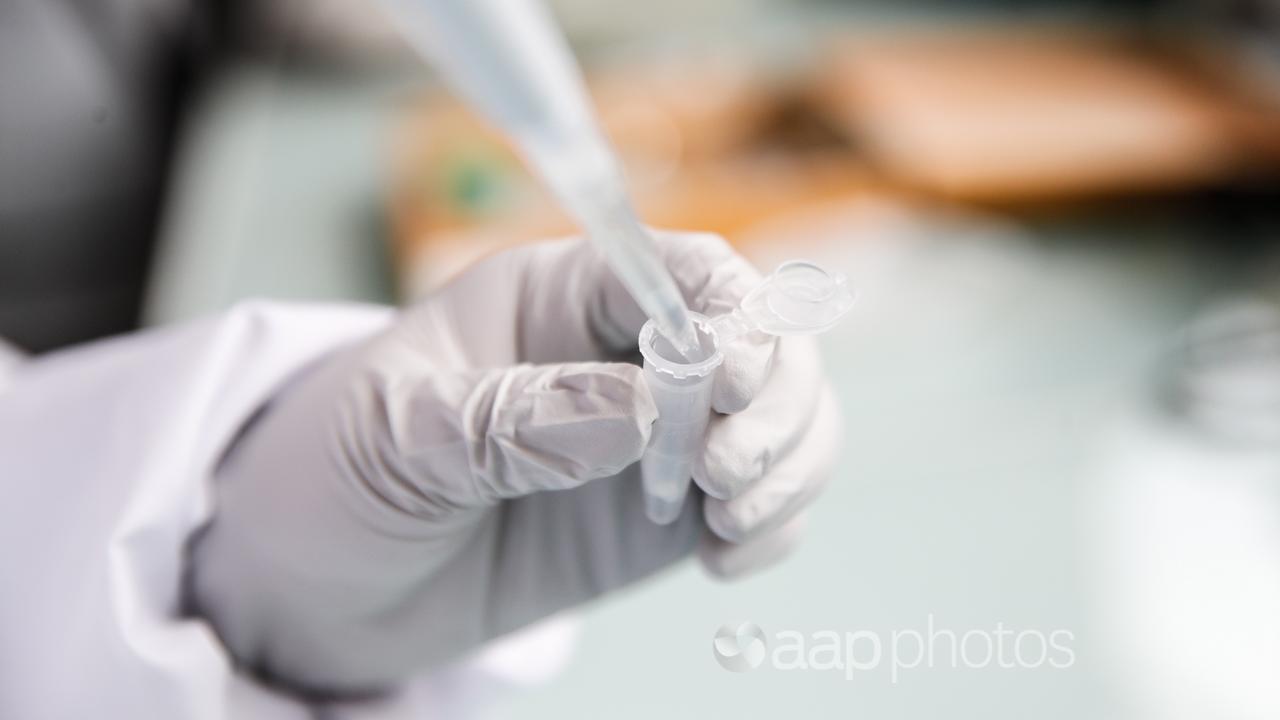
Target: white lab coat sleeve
[{"x": 106, "y": 457}]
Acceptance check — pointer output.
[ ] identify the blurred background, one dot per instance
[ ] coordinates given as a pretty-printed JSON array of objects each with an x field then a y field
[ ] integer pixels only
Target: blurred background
[{"x": 1061, "y": 382}]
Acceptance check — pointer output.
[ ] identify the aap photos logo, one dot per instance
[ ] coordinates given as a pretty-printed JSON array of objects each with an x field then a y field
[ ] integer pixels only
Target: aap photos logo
[{"x": 741, "y": 647}]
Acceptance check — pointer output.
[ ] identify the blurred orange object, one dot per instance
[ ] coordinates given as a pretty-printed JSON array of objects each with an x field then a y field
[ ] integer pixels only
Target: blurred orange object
[
  {"x": 1017, "y": 115},
  {"x": 706, "y": 146}
]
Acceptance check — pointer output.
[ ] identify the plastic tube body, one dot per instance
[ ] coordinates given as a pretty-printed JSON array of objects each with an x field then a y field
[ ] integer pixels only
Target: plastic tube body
[
  {"x": 682, "y": 392},
  {"x": 684, "y": 407}
]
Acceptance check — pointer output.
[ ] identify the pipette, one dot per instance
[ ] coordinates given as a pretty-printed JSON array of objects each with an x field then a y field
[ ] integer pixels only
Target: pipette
[{"x": 507, "y": 58}]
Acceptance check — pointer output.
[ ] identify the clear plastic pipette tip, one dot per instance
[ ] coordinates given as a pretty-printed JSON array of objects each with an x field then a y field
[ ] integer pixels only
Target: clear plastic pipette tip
[{"x": 684, "y": 339}]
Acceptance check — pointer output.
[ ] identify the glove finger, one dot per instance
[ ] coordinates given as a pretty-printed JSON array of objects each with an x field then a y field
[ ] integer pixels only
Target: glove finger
[
  {"x": 742, "y": 448},
  {"x": 788, "y": 488},
  {"x": 569, "y": 306},
  {"x": 714, "y": 279},
  {"x": 473, "y": 439},
  {"x": 560, "y": 299},
  {"x": 539, "y": 303},
  {"x": 730, "y": 561},
  {"x": 747, "y": 364},
  {"x": 710, "y": 276}
]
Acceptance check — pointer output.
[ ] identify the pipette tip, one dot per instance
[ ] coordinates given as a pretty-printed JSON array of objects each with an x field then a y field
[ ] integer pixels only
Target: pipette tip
[{"x": 686, "y": 343}]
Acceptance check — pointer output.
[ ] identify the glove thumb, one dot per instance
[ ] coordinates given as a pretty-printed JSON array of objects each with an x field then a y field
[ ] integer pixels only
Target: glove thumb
[{"x": 474, "y": 438}]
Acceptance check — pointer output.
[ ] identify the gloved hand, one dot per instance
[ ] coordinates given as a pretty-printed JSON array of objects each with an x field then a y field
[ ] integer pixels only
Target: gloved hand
[{"x": 473, "y": 469}]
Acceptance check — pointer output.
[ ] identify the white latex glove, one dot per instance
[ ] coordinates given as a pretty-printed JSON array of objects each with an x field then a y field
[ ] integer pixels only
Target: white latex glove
[{"x": 473, "y": 469}]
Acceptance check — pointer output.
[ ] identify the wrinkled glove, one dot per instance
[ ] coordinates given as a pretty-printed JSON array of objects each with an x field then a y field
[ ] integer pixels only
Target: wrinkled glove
[{"x": 473, "y": 469}]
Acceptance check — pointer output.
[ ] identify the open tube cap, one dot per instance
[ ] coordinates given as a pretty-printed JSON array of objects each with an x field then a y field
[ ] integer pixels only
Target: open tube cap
[{"x": 799, "y": 298}]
